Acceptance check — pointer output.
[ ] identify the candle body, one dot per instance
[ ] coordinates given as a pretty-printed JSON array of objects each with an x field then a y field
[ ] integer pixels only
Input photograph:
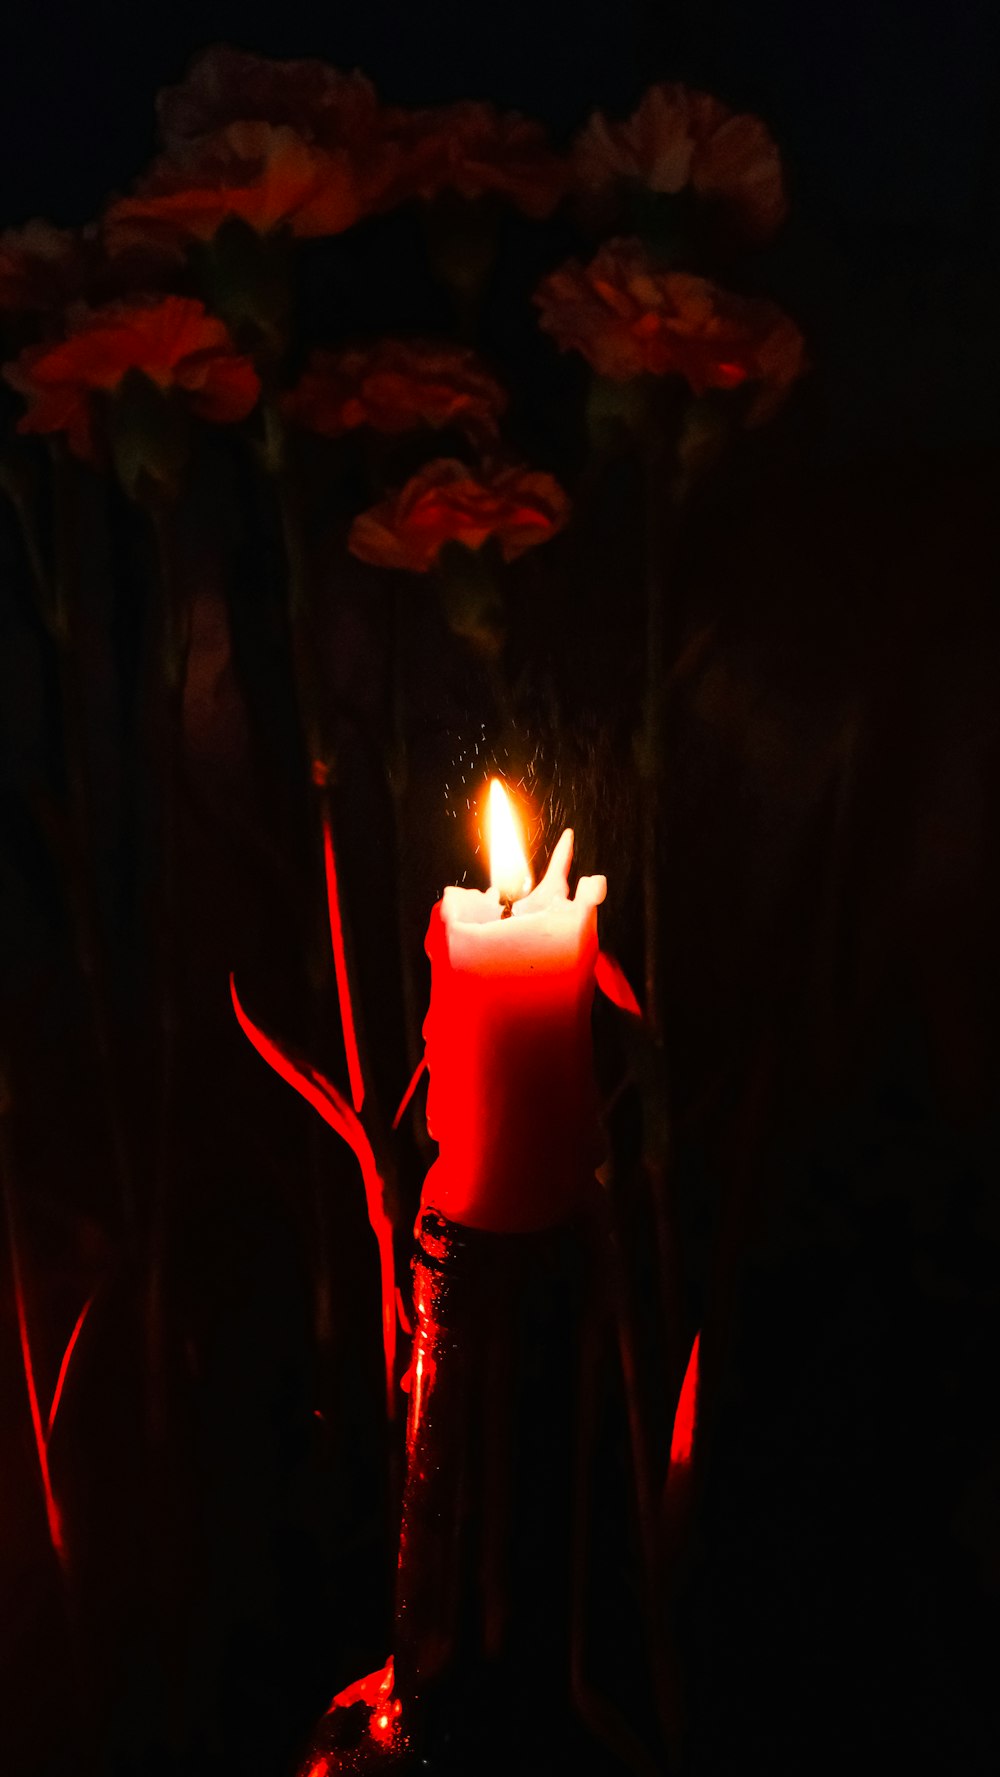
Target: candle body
[{"x": 511, "y": 1099}]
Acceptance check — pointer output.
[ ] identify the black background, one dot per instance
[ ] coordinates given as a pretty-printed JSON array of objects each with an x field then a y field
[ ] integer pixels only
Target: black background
[{"x": 838, "y": 1177}]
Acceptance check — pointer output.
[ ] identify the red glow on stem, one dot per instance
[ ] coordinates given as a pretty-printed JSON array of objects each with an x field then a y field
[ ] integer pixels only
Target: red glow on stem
[
  {"x": 682, "y": 1442},
  {"x": 333, "y": 1107},
  {"x": 41, "y": 1444},
  {"x": 354, "y": 1073},
  {"x": 614, "y": 984},
  {"x": 64, "y": 1366},
  {"x": 404, "y": 1319},
  {"x": 410, "y": 1090}
]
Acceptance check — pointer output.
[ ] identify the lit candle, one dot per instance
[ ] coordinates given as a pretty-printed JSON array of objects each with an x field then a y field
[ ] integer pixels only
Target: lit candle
[{"x": 511, "y": 1098}]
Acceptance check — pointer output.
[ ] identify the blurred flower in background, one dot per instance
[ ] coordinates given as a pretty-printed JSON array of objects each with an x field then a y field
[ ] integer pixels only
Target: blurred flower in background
[
  {"x": 170, "y": 341},
  {"x": 224, "y": 85},
  {"x": 394, "y": 385},
  {"x": 476, "y": 150},
  {"x": 626, "y": 317},
  {"x": 677, "y": 137},
  {"x": 266, "y": 175},
  {"x": 295, "y": 145},
  {"x": 446, "y": 502}
]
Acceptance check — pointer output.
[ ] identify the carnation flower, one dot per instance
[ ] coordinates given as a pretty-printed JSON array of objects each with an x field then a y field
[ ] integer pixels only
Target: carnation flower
[
  {"x": 224, "y": 85},
  {"x": 627, "y": 318},
  {"x": 446, "y": 502},
  {"x": 171, "y": 340},
  {"x": 475, "y": 149},
  {"x": 677, "y": 137},
  {"x": 268, "y": 175},
  {"x": 395, "y": 385}
]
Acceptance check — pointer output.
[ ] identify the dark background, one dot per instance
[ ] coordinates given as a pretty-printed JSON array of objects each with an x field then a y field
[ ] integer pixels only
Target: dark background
[{"x": 831, "y": 822}]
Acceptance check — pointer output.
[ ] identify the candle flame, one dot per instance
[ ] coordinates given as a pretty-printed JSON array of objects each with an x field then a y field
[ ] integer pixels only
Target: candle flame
[{"x": 510, "y": 873}]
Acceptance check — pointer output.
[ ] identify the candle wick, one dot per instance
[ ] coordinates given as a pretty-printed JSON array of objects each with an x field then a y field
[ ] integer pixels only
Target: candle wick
[{"x": 507, "y": 903}]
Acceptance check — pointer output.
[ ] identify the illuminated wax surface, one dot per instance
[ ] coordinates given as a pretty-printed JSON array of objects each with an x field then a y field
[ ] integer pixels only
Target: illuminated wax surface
[{"x": 511, "y": 1098}]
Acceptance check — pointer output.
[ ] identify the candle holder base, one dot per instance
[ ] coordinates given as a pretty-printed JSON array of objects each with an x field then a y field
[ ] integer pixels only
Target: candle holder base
[
  {"x": 480, "y": 1685},
  {"x": 478, "y": 1733},
  {"x": 361, "y": 1732}
]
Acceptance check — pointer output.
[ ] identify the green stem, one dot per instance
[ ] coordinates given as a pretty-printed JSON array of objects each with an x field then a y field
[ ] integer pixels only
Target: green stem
[
  {"x": 64, "y": 1558},
  {"x": 652, "y": 741},
  {"x": 663, "y": 500},
  {"x": 614, "y": 1269},
  {"x": 322, "y": 765},
  {"x": 64, "y": 605},
  {"x": 595, "y": 1710},
  {"x": 17, "y": 494},
  {"x": 397, "y": 773},
  {"x": 168, "y": 665},
  {"x": 320, "y": 754},
  {"x": 826, "y": 1013},
  {"x": 18, "y": 1270}
]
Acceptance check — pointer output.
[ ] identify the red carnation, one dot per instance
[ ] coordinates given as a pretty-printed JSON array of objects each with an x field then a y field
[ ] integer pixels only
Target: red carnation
[
  {"x": 267, "y": 175},
  {"x": 626, "y": 318},
  {"x": 476, "y": 150},
  {"x": 446, "y": 502},
  {"x": 677, "y": 137},
  {"x": 170, "y": 339},
  {"x": 224, "y": 85},
  {"x": 395, "y": 385}
]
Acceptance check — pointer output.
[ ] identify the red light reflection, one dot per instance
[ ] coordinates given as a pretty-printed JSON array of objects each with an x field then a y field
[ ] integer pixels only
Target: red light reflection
[{"x": 682, "y": 1442}]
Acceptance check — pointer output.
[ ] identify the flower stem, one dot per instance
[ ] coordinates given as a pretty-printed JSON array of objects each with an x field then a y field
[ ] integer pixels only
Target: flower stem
[
  {"x": 614, "y": 1270},
  {"x": 663, "y": 499},
  {"x": 656, "y": 471},
  {"x": 53, "y": 1516},
  {"x": 595, "y": 1710},
  {"x": 168, "y": 665},
  {"x": 397, "y": 774},
  {"x": 321, "y": 760},
  {"x": 92, "y": 958}
]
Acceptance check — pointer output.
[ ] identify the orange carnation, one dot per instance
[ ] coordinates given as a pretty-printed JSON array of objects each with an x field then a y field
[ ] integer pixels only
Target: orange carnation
[
  {"x": 266, "y": 174},
  {"x": 475, "y": 149},
  {"x": 395, "y": 385},
  {"x": 677, "y": 137},
  {"x": 447, "y": 503},
  {"x": 627, "y": 318},
  {"x": 171, "y": 340}
]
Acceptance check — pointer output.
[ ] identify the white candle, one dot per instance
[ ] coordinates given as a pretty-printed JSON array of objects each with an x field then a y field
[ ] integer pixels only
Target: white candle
[{"x": 511, "y": 1097}]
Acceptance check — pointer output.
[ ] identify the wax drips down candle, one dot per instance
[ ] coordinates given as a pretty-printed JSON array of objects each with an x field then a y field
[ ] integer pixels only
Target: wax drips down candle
[{"x": 511, "y": 1099}]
